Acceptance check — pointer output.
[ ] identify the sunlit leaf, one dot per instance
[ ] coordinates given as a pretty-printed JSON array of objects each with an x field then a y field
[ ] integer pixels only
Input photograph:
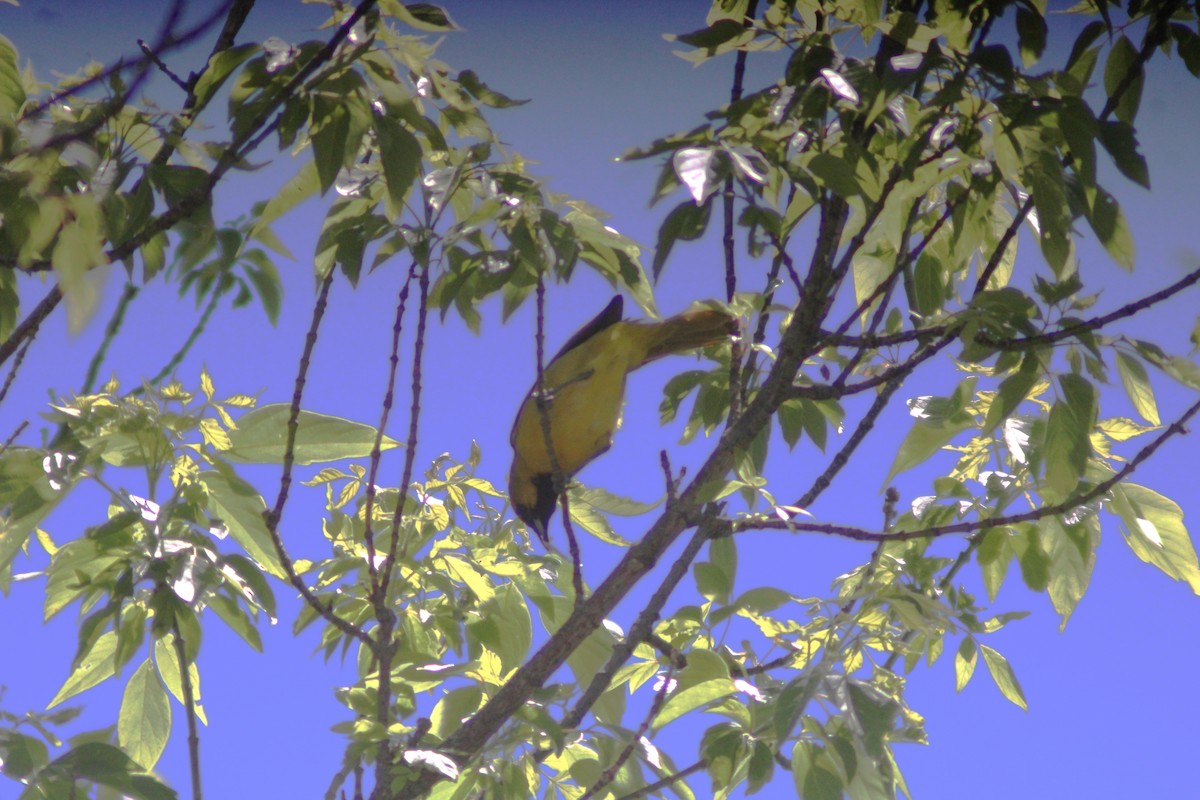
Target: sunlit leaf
[
  {"x": 925, "y": 438},
  {"x": 704, "y": 680},
  {"x": 261, "y": 436},
  {"x": 697, "y": 170},
  {"x": 814, "y": 775},
  {"x": 1137, "y": 386},
  {"x": 1071, "y": 550},
  {"x": 1121, "y": 74},
  {"x": 92, "y": 669},
  {"x": 965, "y": 659},
  {"x": 1002, "y": 673},
  {"x": 1154, "y": 530},
  {"x": 240, "y": 507},
  {"x": 144, "y": 722},
  {"x": 106, "y": 765},
  {"x": 1068, "y": 430}
]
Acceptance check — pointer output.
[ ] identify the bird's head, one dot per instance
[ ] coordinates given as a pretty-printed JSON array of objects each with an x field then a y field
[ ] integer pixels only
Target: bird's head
[{"x": 533, "y": 498}]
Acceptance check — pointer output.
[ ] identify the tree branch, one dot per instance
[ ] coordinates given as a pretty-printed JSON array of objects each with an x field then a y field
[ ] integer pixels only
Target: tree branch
[{"x": 1177, "y": 427}]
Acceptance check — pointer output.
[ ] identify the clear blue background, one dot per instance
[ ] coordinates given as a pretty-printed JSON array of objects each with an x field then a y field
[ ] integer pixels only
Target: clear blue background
[{"x": 1112, "y": 698}]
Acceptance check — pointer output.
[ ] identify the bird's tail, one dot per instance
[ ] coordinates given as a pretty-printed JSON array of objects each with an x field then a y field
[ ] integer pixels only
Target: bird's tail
[{"x": 688, "y": 331}]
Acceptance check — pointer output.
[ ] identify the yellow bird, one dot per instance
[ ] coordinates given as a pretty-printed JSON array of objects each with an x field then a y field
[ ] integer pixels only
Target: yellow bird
[{"x": 584, "y": 389}]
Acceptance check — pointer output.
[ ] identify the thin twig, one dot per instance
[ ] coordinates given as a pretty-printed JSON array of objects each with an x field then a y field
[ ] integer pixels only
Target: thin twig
[
  {"x": 1001, "y": 246},
  {"x": 656, "y": 706},
  {"x": 165, "y": 42},
  {"x": 641, "y": 631},
  {"x": 864, "y": 535},
  {"x": 163, "y": 68},
  {"x": 1021, "y": 342},
  {"x": 193, "y": 336},
  {"x": 377, "y": 448},
  {"x": 275, "y": 514},
  {"x": 728, "y": 227},
  {"x": 667, "y": 782},
  {"x": 189, "y": 705},
  {"x": 29, "y": 326},
  {"x": 16, "y": 365},
  {"x": 13, "y": 436},
  {"x": 110, "y": 333},
  {"x": 414, "y": 419}
]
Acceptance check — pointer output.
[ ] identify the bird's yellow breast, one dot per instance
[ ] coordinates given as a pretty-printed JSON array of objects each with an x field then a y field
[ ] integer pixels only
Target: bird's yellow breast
[{"x": 586, "y": 386}]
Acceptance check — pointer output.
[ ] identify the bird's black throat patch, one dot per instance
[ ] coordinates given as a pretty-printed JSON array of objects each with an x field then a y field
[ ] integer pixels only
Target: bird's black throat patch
[{"x": 547, "y": 499}]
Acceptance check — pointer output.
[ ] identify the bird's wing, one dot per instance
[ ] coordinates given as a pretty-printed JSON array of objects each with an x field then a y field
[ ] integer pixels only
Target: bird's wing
[{"x": 610, "y": 316}]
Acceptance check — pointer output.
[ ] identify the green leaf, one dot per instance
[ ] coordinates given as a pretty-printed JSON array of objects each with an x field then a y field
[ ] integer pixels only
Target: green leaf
[
  {"x": 255, "y": 585},
  {"x": 1154, "y": 530},
  {"x": 485, "y": 94},
  {"x": 424, "y": 17},
  {"x": 1072, "y": 553},
  {"x": 723, "y": 750},
  {"x": 167, "y": 660},
  {"x": 761, "y": 768},
  {"x": 104, "y": 764},
  {"x": 611, "y": 503},
  {"x": 261, "y": 436},
  {"x": 875, "y": 714},
  {"x": 705, "y": 679},
  {"x": 930, "y": 284},
  {"x": 238, "y": 620},
  {"x": 1090, "y": 33},
  {"x": 1119, "y": 140},
  {"x": 77, "y": 252},
  {"x": 1068, "y": 443},
  {"x": 1002, "y": 673},
  {"x": 12, "y": 90},
  {"x": 965, "y": 659},
  {"x": 455, "y": 706},
  {"x": 144, "y": 722},
  {"x": 92, "y": 669},
  {"x": 924, "y": 439},
  {"x": 329, "y": 130},
  {"x": 235, "y": 503},
  {"x": 1035, "y": 564},
  {"x": 1031, "y": 35},
  {"x": 1013, "y": 391},
  {"x": 592, "y": 520},
  {"x": 505, "y": 626},
  {"x": 715, "y": 577},
  {"x": 27, "y": 498},
  {"x": 218, "y": 69},
  {"x": 814, "y": 774},
  {"x": 686, "y": 222},
  {"x": 400, "y": 154},
  {"x": 994, "y": 557},
  {"x": 1121, "y": 69},
  {"x": 1046, "y": 181},
  {"x": 1111, "y": 228},
  {"x": 836, "y": 174},
  {"x": 21, "y": 755},
  {"x": 1137, "y": 386},
  {"x": 301, "y": 186},
  {"x": 712, "y": 37},
  {"x": 470, "y": 576}
]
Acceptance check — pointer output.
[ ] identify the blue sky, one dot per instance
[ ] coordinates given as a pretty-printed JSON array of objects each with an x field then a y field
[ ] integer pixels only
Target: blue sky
[{"x": 1111, "y": 698}]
